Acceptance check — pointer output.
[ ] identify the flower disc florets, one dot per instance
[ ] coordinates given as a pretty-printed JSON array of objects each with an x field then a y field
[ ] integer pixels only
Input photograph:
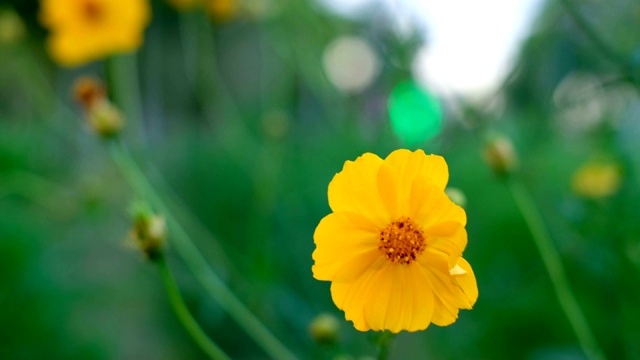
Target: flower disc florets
[{"x": 402, "y": 241}]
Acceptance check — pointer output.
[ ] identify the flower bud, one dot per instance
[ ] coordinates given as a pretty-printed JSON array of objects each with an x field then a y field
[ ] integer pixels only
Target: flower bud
[
  {"x": 101, "y": 115},
  {"x": 88, "y": 91},
  {"x": 149, "y": 232},
  {"x": 324, "y": 329},
  {"x": 12, "y": 27},
  {"x": 105, "y": 119},
  {"x": 500, "y": 155}
]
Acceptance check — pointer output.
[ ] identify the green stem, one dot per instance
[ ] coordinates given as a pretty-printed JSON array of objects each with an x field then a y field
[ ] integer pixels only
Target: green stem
[
  {"x": 188, "y": 31},
  {"x": 555, "y": 269},
  {"x": 384, "y": 343},
  {"x": 124, "y": 87},
  {"x": 195, "y": 261},
  {"x": 201, "y": 67},
  {"x": 180, "y": 308}
]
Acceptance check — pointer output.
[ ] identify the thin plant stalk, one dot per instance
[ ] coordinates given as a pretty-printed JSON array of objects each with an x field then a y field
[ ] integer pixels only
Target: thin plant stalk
[
  {"x": 194, "y": 260},
  {"x": 624, "y": 64},
  {"x": 555, "y": 269},
  {"x": 592, "y": 34},
  {"x": 179, "y": 307},
  {"x": 384, "y": 342},
  {"x": 124, "y": 86}
]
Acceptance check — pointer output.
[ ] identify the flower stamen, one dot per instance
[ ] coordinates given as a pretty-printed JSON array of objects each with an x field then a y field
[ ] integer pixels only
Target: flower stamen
[{"x": 402, "y": 241}]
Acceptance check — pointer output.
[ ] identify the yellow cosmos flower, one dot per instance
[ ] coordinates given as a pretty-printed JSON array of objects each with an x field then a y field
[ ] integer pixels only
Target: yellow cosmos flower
[
  {"x": 87, "y": 30},
  {"x": 222, "y": 10},
  {"x": 392, "y": 247}
]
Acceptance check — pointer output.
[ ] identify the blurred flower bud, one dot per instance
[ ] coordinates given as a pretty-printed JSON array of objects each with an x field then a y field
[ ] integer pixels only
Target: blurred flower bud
[
  {"x": 105, "y": 119},
  {"x": 500, "y": 155},
  {"x": 457, "y": 196},
  {"x": 596, "y": 180},
  {"x": 149, "y": 231},
  {"x": 324, "y": 328},
  {"x": 101, "y": 115},
  {"x": 12, "y": 28},
  {"x": 87, "y": 91}
]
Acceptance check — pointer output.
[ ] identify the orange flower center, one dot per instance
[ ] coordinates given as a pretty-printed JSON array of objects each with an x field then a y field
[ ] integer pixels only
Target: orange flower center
[
  {"x": 402, "y": 241},
  {"x": 92, "y": 11}
]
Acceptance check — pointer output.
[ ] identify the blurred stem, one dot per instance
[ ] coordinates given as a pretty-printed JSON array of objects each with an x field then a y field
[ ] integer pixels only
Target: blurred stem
[
  {"x": 602, "y": 46},
  {"x": 194, "y": 259},
  {"x": 188, "y": 28},
  {"x": 555, "y": 269},
  {"x": 124, "y": 87},
  {"x": 384, "y": 343},
  {"x": 201, "y": 65},
  {"x": 180, "y": 308}
]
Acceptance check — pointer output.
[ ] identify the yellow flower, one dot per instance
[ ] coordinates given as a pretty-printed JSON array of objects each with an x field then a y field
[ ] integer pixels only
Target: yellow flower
[
  {"x": 222, "y": 10},
  {"x": 87, "y": 30},
  {"x": 597, "y": 180},
  {"x": 393, "y": 245}
]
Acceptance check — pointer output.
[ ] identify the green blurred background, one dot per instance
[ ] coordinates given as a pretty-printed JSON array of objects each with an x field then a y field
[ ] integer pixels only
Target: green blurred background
[{"x": 244, "y": 129}]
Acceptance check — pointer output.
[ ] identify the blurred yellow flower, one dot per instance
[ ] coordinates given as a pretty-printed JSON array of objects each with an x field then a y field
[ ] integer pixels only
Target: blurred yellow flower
[
  {"x": 87, "y": 30},
  {"x": 393, "y": 245},
  {"x": 597, "y": 180},
  {"x": 222, "y": 10}
]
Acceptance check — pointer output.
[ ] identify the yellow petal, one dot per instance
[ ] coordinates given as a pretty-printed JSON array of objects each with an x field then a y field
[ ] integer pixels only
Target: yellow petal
[
  {"x": 355, "y": 189},
  {"x": 423, "y": 300},
  {"x": 436, "y": 259},
  {"x": 444, "y": 314},
  {"x": 445, "y": 287},
  {"x": 346, "y": 245},
  {"x": 393, "y": 297},
  {"x": 430, "y": 206},
  {"x": 388, "y": 190},
  {"x": 351, "y": 296},
  {"x": 449, "y": 237},
  {"x": 467, "y": 282},
  {"x": 411, "y": 165}
]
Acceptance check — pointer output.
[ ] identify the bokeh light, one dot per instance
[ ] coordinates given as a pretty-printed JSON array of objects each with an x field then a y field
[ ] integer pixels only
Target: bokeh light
[
  {"x": 416, "y": 115},
  {"x": 350, "y": 64}
]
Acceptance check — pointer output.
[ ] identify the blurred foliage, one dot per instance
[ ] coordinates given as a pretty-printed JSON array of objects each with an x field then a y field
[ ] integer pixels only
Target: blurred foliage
[{"x": 243, "y": 129}]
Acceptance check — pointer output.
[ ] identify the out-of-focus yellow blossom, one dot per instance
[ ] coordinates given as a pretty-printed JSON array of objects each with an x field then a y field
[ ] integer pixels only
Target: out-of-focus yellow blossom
[
  {"x": 222, "y": 10},
  {"x": 596, "y": 180},
  {"x": 219, "y": 10},
  {"x": 392, "y": 248},
  {"x": 87, "y": 30}
]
